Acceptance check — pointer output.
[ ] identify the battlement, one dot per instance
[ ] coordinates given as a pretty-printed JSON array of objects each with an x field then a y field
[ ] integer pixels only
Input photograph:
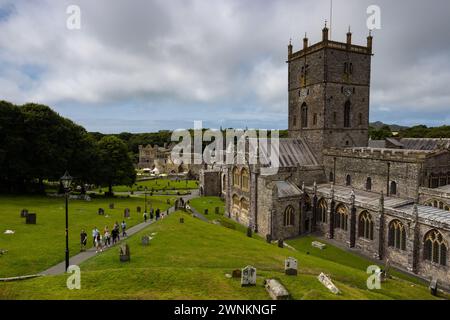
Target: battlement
[
  {"x": 327, "y": 43},
  {"x": 379, "y": 153}
]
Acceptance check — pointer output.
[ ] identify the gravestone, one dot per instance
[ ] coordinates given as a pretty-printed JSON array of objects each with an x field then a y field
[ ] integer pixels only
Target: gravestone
[
  {"x": 290, "y": 266},
  {"x": 280, "y": 243},
  {"x": 433, "y": 286},
  {"x": 31, "y": 218},
  {"x": 248, "y": 276},
  {"x": 249, "y": 232},
  {"x": 111, "y": 206},
  {"x": 124, "y": 253},
  {"x": 217, "y": 210},
  {"x": 268, "y": 238},
  {"x": 126, "y": 213},
  {"x": 181, "y": 220},
  {"x": 23, "y": 213},
  {"x": 138, "y": 209},
  {"x": 145, "y": 240},
  {"x": 101, "y": 212},
  {"x": 237, "y": 273},
  {"x": 328, "y": 283},
  {"x": 276, "y": 290},
  {"x": 206, "y": 211},
  {"x": 319, "y": 245}
]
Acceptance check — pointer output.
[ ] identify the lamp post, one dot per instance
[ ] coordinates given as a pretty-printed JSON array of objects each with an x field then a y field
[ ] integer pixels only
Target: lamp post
[
  {"x": 66, "y": 181},
  {"x": 145, "y": 195}
]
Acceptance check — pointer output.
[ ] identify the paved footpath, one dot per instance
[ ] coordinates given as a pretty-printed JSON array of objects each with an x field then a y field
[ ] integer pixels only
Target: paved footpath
[{"x": 83, "y": 256}]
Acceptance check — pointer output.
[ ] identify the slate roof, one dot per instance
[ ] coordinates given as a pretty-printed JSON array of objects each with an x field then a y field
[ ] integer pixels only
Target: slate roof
[
  {"x": 292, "y": 153},
  {"x": 377, "y": 144},
  {"x": 287, "y": 189},
  {"x": 429, "y": 213},
  {"x": 424, "y": 143}
]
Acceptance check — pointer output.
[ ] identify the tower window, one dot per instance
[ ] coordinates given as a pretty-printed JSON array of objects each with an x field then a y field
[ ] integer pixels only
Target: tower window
[
  {"x": 331, "y": 177},
  {"x": 334, "y": 117},
  {"x": 393, "y": 188},
  {"x": 304, "y": 115},
  {"x": 348, "y": 180},
  {"x": 351, "y": 68},
  {"x": 294, "y": 121},
  {"x": 345, "y": 67},
  {"x": 315, "y": 119},
  {"x": 360, "y": 118},
  {"x": 369, "y": 184},
  {"x": 347, "y": 114}
]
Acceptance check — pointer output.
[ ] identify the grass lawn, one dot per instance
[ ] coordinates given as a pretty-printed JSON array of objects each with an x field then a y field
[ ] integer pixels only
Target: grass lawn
[
  {"x": 34, "y": 248},
  {"x": 190, "y": 260},
  {"x": 155, "y": 184},
  {"x": 210, "y": 203}
]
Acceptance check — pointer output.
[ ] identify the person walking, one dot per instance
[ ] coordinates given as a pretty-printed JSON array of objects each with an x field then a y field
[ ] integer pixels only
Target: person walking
[
  {"x": 83, "y": 240},
  {"x": 157, "y": 215},
  {"x": 107, "y": 236},
  {"x": 124, "y": 228},
  {"x": 94, "y": 235},
  {"x": 145, "y": 216},
  {"x": 98, "y": 243},
  {"x": 151, "y": 213},
  {"x": 117, "y": 228}
]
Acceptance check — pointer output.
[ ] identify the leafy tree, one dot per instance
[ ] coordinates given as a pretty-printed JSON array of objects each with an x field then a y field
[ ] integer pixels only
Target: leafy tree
[{"x": 115, "y": 164}]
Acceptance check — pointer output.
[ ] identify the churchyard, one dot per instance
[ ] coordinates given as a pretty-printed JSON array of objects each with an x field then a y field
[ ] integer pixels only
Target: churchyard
[
  {"x": 33, "y": 248},
  {"x": 196, "y": 259}
]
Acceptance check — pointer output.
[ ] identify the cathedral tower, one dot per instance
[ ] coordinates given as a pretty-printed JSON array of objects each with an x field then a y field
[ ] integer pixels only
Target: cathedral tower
[{"x": 329, "y": 89}]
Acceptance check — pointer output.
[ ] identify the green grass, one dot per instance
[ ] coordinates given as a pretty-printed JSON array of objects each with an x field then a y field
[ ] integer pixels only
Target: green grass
[
  {"x": 155, "y": 184},
  {"x": 34, "y": 248},
  {"x": 210, "y": 203},
  {"x": 190, "y": 260}
]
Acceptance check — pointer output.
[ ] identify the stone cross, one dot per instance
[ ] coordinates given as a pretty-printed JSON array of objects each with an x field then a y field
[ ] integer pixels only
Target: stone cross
[
  {"x": 290, "y": 266},
  {"x": 248, "y": 277}
]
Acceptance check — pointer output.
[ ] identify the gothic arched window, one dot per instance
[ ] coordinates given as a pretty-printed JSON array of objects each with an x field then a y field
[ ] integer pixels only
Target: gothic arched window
[
  {"x": 245, "y": 179},
  {"x": 397, "y": 235},
  {"x": 369, "y": 184},
  {"x": 236, "y": 177},
  {"x": 288, "y": 216},
  {"x": 304, "y": 115},
  {"x": 435, "y": 248},
  {"x": 365, "y": 226},
  {"x": 341, "y": 217},
  {"x": 393, "y": 188},
  {"x": 331, "y": 177},
  {"x": 323, "y": 211},
  {"x": 347, "y": 108}
]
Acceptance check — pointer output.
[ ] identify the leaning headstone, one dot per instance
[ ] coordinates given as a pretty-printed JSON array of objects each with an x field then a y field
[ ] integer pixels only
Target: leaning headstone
[
  {"x": 237, "y": 273},
  {"x": 290, "y": 266},
  {"x": 145, "y": 240},
  {"x": 249, "y": 232},
  {"x": 319, "y": 245},
  {"x": 124, "y": 253},
  {"x": 280, "y": 243},
  {"x": 328, "y": 283},
  {"x": 206, "y": 211},
  {"x": 31, "y": 218},
  {"x": 276, "y": 290},
  {"x": 111, "y": 205},
  {"x": 433, "y": 286},
  {"x": 101, "y": 212},
  {"x": 268, "y": 238},
  {"x": 248, "y": 276},
  {"x": 217, "y": 210},
  {"x": 181, "y": 220},
  {"x": 138, "y": 209},
  {"x": 126, "y": 213},
  {"x": 23, "y": 213}
]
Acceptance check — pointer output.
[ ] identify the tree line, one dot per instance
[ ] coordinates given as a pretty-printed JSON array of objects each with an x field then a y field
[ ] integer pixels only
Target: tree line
[{"x": 38, "y": 145}]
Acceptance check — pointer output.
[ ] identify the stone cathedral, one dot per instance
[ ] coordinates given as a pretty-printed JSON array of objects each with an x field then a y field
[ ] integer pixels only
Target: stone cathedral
[{"x": 389, "y": 200}]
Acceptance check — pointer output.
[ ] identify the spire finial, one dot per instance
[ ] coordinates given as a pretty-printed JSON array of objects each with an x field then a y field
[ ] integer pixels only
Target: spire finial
[
  {"x": 349, "y": 29},
  {"x": 290, "y": 41},
  {"x": 325, "y": 23},
  {"x": 306, "y": 35}
]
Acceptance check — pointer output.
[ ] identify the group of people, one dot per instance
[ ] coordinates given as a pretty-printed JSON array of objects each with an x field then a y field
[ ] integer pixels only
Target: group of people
[
  {"x": 107, "y": 239},
  {"x": 153, "y": 214}
]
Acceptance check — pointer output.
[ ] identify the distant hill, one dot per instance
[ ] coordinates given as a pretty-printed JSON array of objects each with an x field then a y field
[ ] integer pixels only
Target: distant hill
[{"x": 394, "y": 127}]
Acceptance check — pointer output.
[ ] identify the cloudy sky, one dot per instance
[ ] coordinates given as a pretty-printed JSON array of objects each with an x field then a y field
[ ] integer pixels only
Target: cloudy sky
[{"x": 147, "y": 65}]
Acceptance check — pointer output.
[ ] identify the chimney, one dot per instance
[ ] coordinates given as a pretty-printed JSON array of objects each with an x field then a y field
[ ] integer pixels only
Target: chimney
[{"x": 349, "y": 37}]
